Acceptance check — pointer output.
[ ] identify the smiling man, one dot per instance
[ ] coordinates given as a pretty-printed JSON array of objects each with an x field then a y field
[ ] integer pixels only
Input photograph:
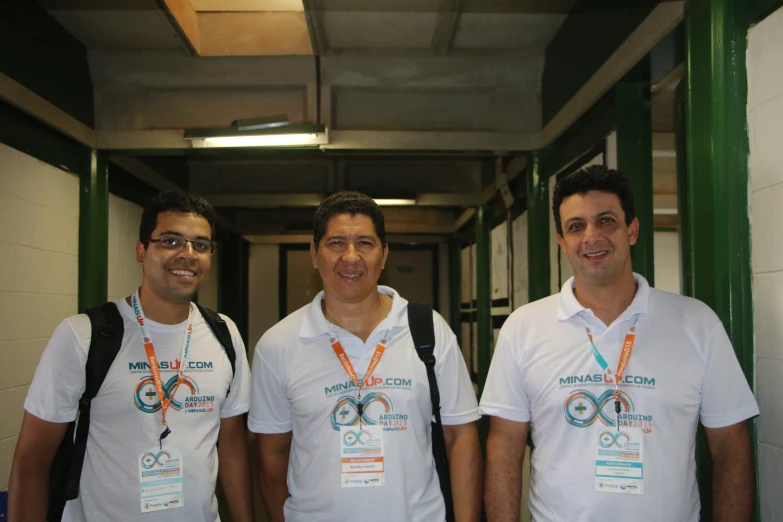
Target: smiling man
[
  {"x": 171, "y": 395},
  {"x": 611, "y": 378},
  {"x": 341, "y": 400}
]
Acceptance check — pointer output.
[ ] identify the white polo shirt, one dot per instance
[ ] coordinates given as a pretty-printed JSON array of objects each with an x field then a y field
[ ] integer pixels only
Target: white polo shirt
[
  {"x": 298, "y": 384},
  {"x": 682, "y": 370}
]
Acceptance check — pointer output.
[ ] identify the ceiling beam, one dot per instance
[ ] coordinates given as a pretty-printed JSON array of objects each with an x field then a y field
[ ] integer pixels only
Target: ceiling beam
[
  {"x": 158, "y": 181},
  {"x": 310, "y": 200},
  {"x": 315, "y": 24},
  {"x": 265, "y": 200},
  {"x": 26, "y": 100},
  {"x": 660, "y": 22},
  {"x": 431, "y": 140},
  {"x": 449, "y": 12},
  {"x": 303, "y": 239}
]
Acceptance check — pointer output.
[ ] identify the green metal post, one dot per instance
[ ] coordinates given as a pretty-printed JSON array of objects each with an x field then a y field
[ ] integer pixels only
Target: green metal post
[
  {"x": 455, "y": 287},
  {"x": 634, "y": 157},
  {"x": 483, "y": 293},
  {"x": 717, "y": 180},
  {"x": 94, "y": 232},
  {"x": 538, "y": 226}
]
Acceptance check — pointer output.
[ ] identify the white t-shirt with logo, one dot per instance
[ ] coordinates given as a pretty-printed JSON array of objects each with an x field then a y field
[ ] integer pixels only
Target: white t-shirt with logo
[
  {"x": 125, "y": 418},
  {"x": 298, "y": 384},
  {"x": 682, "y": 370}
]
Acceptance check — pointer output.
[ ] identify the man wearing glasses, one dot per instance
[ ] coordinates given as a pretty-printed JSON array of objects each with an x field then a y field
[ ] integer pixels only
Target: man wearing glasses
[{"x": 168, "y": 399}]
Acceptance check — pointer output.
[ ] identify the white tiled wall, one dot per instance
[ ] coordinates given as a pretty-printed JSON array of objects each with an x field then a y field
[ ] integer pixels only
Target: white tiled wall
[
  {"x": 124, "y": 272},
  {"x": 765, "y": 114},
  {"x": 39, "y": 247}
]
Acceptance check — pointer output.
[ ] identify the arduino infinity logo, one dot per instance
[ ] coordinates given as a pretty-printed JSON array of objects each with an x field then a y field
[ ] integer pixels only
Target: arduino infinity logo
[
  {"x": 150, "y": 460},
  {"x": 346, "y": 411},
  {"x": 145, "y": 396},
  {"x": 351, "y": 438},
  {"x": 608, "y": 439},
  {"x": 582, "y": 408}
]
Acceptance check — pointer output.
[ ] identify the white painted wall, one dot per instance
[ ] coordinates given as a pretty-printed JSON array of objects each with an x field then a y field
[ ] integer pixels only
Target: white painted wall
[
  {"x": 666, "y": 247},
  {"x": 263, "y": 292},
  {"x": 765, "y": 114},
  {"x": 39, "y": 265},
  {"x": 124, "y": 272}
]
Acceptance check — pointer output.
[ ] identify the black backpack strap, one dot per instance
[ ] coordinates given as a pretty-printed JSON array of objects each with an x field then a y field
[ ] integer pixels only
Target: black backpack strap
[
  {"x": 423, "y": 333},
  {"x": 105, "y": 343},
  {"x": 219, "y": 327}
]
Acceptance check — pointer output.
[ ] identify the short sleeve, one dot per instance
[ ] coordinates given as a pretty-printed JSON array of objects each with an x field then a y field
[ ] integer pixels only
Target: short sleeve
[
  {"x": 60, "y": 378},
  {"x": 270, "y": 410},
  {"x": 458, "y": 403},
  {"x": 503, "y": 394},
  {"x": 238, "y": 400},
  {"x": 726, "y": 398}
]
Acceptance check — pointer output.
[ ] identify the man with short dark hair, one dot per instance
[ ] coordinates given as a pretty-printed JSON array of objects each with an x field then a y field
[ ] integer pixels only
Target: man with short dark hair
[
  {"x": 611, "y": 378},
  {"x": 166, "y": 402},
  {"x": 341, "y": 400}
]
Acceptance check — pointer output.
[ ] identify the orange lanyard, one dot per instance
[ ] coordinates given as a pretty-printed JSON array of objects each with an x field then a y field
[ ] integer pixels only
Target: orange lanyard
[
  {"x": 622, "y": 364},
  {"x": 152, "y": 359},
  {"x": 348, "y": 367}
]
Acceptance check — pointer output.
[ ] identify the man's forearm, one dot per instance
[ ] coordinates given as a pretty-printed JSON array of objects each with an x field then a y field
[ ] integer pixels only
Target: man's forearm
[
  {"x": 503, "y": 487},
  {"x": 272, "y": 481},
  {"x": 28, "y": 492},
  {"x": 234, "y": 471},
  {"x": 733, "y": 490},
  {"x": 467, "y": 471}
]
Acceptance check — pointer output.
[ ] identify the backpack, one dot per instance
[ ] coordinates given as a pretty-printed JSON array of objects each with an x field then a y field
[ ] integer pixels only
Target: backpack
[
  {"x": 107, "y": 333},
  {"x": 423, "y": 334}
]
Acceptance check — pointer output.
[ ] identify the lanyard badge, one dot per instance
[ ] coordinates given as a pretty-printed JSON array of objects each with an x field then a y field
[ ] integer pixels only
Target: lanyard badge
[
  {"x": 152, "y": 359},
  {"x": 622, "y": 364}
]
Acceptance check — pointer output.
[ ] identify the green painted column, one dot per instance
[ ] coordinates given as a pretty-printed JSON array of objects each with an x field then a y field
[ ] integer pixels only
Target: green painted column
[
  {"x": 483, "y": 292},
  {"x": 233, "y": 279},
  {"x": 94, "y": 232},
  {"x": 717, "y": 181},
  {"x": 634, "y": 157},
  {"x": 538, "y": 227},
  {"x": 455, "y": 288}
]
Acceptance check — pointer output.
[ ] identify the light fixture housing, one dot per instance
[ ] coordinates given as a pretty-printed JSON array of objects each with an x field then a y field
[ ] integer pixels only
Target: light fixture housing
[
  {"x": 395, "y": 202},
  {"x": 288, "y": 136}
]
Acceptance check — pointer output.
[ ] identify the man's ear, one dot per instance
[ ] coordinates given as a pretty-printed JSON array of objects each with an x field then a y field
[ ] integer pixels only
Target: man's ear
[
  {"x": 141, "y": 253},
  {"x": 314, "y": 255},
  {"x": 633, "y": 231}
]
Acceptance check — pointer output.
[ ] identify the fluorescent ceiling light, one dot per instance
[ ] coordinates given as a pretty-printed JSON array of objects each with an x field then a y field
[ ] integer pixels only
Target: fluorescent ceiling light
[
  {"x": 286, "y": 136},
  {"x": 254, "y": 124},
  {"x": 395, "y": 202},
  {"x": 278, "y": 140}
]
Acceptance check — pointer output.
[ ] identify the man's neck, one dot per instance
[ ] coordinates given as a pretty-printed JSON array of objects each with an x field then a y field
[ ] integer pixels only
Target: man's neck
[
  {"x": 161, "y": 311},
  {"x": 360, "y": 317},
  {"x": 607, "y": 301}
]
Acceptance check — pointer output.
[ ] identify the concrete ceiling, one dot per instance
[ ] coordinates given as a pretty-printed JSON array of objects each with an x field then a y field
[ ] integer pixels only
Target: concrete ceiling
[{"x": 403, "y": 75}]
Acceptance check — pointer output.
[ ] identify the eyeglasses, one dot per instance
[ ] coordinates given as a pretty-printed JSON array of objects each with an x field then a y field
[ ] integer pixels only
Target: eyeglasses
[{"x": 200, "y": 246}]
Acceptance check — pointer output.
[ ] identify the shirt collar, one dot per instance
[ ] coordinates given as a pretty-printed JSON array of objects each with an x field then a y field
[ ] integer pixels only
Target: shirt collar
[
  {"x": 569, "y": 306},
  {"x": 315, "y": 324}
]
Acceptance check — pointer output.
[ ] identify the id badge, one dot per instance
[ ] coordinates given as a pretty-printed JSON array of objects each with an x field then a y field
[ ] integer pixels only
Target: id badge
[
  {"x": 361, "y": 456},
  {"x": 619, "y": 463},
  {"x": 161, "y": 479}
]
